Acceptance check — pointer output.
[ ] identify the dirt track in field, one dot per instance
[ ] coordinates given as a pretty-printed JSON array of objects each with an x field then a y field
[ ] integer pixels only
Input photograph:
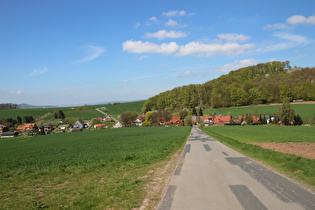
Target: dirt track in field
[{"x": 304, "y": 149}]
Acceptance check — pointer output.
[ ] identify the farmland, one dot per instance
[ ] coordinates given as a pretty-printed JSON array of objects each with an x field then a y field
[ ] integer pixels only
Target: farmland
[
  {"x": 93, "y": 169},
  {"x": 242, "y": 138}
]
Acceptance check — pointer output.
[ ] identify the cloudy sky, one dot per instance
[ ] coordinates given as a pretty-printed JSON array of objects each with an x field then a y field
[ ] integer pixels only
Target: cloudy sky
[{"x": 75, "y": 52}]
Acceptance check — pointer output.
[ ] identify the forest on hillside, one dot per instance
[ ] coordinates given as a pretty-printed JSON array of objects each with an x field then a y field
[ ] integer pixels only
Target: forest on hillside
[{"x": 264, "y": 83}]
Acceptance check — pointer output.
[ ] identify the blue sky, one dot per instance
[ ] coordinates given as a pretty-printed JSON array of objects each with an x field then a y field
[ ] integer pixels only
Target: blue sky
[{"x": 56, "y": 52}]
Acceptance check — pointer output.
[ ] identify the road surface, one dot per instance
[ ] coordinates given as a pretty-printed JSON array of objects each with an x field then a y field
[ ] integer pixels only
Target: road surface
[
  {"x": 97, "y": 109},
  {"x": 211, "y": 175}
]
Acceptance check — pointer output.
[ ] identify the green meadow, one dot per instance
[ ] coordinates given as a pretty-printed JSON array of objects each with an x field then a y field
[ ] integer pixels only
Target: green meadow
[
  {"x": 92, "y": 169},
  {"x": 73, "y": 113},
  {"x": 118, "y": 109},
  {"x": 239, "y": 137}
]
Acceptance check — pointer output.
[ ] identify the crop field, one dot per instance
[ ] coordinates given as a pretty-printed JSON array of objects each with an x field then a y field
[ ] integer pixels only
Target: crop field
[
  {"x": 91, "y": 169},
  {"x": 303, "y": 110},
  {"x": 123, "y": 107},
  {"x": 74, "y": 114},
  {"x": 70, "y": 113},
  {"x": 251, "y": 134},
  {"x": 242, "y": 138}
]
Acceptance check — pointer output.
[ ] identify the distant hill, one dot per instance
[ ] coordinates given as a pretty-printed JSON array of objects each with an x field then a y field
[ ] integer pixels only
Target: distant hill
[
  {"x": 27, "y": 106},
  {"x": 264, "y": 83}
]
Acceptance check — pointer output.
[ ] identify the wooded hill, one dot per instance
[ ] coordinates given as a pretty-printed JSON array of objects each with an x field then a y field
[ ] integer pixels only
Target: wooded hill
[{"x": 264, "y": 83}]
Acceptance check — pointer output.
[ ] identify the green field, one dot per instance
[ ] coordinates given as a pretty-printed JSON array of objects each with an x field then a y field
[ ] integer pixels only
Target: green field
[
  {"x": 304, "y": 110},
  {"x": 118, "y": 109},
  {"x": 251, "y": 134},
  {"x": 238, "y": 137},
  {"x": 92, "y": 169},
  {"x": 68, "y": 111},
  {"x": 74, "y": 114}
]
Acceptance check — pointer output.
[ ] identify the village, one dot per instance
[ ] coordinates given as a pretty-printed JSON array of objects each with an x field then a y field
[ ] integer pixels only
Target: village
[{"x": 32, "y": 129}]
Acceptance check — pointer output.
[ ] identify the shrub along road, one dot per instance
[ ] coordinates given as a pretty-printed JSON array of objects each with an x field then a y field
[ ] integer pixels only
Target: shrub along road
[{"x": 211, "y": 175}]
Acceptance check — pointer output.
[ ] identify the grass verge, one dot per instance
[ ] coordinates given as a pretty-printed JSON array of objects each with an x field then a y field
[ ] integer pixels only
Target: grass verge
[{"x": 299, "y": 168}]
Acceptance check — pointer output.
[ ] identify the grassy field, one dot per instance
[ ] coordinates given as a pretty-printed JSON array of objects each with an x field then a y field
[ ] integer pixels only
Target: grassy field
[
  {"x": 304, "y": 110},
  {"x": 74, "y": 114},
  {"x": 259, "y": 134},
  {"x": 68, "y": 111},
  {"x": 238, "y": 138},
  {"x": 92, "y": 169},
  {"x": 118, "y": 109}
]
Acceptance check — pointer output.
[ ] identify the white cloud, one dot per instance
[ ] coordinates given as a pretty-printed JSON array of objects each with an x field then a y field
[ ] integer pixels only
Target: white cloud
[
  {"x": 300, "y": 19},
  {"x": 234, "y": 37},
  {"x": 237, "y": 65},
  {"x": 288, "y": 41},
  {"x": 190, "y": 74},
  {"x": 92, "y": 53},
  {"x": 311, "y": 19},
  {"x": 293, "y": 21},
  {"x": 153, "y": 18},
  {"x": 163, "y": 34},
  {"x": 171, "y": 22},
  {"x": 276, "y": 26},
  {"x": 208, "y": 50},
  {"x": 148, "y": 47},
  {"x": 143, "y": 57},
  {"x": 36, "y": 72},
  {"x": 137, "y": 25},
  {"x": 292, "y": 37},
  {"x": 6, "y": 91},
  {"x": 143, "y": 77},
  {"x": 296, "y": 19},
  {"x": 174, "y": 13}
]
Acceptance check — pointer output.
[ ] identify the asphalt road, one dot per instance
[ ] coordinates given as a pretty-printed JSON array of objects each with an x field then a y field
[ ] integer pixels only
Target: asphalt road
[{"x": 211, "y": 175}]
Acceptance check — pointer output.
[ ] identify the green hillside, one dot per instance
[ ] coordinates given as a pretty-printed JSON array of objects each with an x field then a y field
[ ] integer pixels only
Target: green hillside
[
  {"x": 264, "y": 83},
  {"x": 123, "y": 107}
]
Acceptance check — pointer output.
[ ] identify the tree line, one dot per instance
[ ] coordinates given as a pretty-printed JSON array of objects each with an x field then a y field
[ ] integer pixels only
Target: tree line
[
  {"x": 271, "y": 82},
  {"x": 8, "y": 106}
]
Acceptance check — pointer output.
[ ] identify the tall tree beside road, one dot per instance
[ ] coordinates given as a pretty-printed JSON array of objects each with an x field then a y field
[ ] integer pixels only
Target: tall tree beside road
[{"x": 285, "y": 113}]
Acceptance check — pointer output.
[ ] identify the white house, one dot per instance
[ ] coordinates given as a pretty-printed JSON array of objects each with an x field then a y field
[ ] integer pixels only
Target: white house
[{"x": 118, "y": 124}]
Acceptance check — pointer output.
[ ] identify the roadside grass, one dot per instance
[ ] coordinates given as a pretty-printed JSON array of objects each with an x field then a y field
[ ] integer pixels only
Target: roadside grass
[
  {"x": 304, "y": 110},
  {"x": 103, "y": 169},
  {"x": 238, "y": 137}
]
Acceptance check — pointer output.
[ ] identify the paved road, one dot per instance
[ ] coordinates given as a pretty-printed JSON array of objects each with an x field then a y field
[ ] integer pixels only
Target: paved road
[
  {"x": 210, "y": 175},
  {"x": 97, "y": 109}
]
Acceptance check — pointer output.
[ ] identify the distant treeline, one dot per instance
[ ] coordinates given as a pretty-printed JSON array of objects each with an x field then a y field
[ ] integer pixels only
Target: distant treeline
[
  {"x": 8, "y": 106},
  {"x": 263, "y": 83}
]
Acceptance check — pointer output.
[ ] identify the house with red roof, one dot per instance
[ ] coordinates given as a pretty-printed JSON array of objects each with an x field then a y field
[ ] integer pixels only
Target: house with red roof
[
  {"x": 99, "y": 126},
  {"x": 207, "y": 120},
  {"x": 175, "y": 121},
  {"x": 108, "y": 118},
  {"x": 27, "y": 127},
  {"x": 241, "y": 118},
  {"x": 222, "y": 120},
  {"x": 138, "y": 121},
  {"x": 3, "y": 128},
  {"x": 162, "y": 120}
]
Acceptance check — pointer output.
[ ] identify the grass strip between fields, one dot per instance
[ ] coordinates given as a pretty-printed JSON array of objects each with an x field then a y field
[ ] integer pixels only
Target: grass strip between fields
[{"x": 299, "y": 168}]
